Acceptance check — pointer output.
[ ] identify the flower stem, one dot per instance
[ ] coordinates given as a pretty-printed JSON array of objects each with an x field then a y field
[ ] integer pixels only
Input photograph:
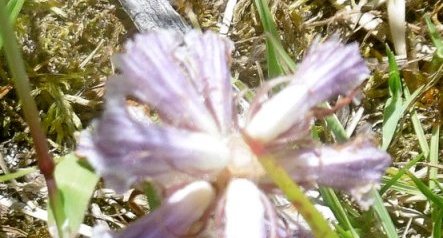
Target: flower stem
[
  {"x": 319, "y": 226},
  {"x": 21, "y": 81}
]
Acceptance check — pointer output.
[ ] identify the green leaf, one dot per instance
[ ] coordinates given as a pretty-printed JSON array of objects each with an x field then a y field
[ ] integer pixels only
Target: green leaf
[
  {"x": 76, "y": 185},
  {"x": 394, "y": 105}
]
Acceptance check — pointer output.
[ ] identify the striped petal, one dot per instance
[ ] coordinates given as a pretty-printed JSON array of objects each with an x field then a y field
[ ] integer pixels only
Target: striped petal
[
  {"x": 173, "y": 219},
  {"x": 355, "y": 167},
  {"x": 125, "y": 150},
  {"x": 185, "y": 79},
  {"x": 329, "y": 69}
]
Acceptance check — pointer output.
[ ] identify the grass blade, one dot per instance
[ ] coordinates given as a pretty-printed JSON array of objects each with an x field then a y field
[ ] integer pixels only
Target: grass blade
[
  {"x": 393, "y": 107},
  {"x": 17, "y": 174},
  {"x": 383, "y": 214},
  {"x": 13, "y": 8},
  {"x": 334, "y": 204},
  {"x": 426, "y": 191},
  {"x": 436, "y": 229},
  {"x": 400, "y": 173},
  {"x": 274, "y": 68},
  {"x": 437, "y": 59}
]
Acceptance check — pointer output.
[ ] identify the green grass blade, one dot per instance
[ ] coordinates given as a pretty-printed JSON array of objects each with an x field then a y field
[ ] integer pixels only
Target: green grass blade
[
  {"x": 426, "y": 191},
  {"x": 437, "y": 220},
  {"x": 383, "y": 214},
  {"x": 17, "y": 174},
  {"x": 402, "y": 186},
  {"x": 393, "y": 107},
  {"x": 437, "y": 41},
  {"x": 288, "y": 64},
  {"x": 415, "y": 121},
  {"x": 274, "y": 68},
  {"x": 334, "y": 204},
  {"x": 400, "y": 173},
  {"x": 335, "y": 126},
  {"x": 13, "y": 7}
]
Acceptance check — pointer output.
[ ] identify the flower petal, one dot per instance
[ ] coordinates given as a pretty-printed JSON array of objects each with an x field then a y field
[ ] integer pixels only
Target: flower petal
[
  {"x": 186, "y": 79},
  {"x": 355, "y": 167},
  {"x": 206, "y": 60},
  {"x": 328, "y": 69},
  {"x": 125, "y": 150},
  {"x": 245, "y": 212},
  {"x": 174, "y": 218}
]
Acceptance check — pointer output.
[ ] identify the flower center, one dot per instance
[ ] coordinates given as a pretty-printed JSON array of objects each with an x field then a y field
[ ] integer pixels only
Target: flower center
[{"x": 244, "y": 163}]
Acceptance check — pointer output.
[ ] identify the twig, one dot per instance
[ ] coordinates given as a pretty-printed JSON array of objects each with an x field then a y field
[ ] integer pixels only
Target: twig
[
  {"x": 149, "y": 15},
  {"x": 227, "y": 17}
]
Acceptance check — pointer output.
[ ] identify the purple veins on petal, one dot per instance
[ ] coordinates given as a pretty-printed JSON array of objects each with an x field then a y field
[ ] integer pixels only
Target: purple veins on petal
[
  {"x": 206, "y": 60},
  {"x": 355, "y": 167},
  {"x": 174, "y": 218},
  {"x": 328, "y": 69},
  {"x": 124, "y": 150},
  {"x": 185, "y": 79}
]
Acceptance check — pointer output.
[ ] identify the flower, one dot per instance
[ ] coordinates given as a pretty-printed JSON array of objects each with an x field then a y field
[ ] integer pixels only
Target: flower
[{"x": 199, "y": 136}]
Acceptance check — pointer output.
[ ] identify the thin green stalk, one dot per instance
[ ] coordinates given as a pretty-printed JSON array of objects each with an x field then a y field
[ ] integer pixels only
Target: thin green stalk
[
  {"x": 16, "y": 66},
  {"x": 319, "y": 226}
]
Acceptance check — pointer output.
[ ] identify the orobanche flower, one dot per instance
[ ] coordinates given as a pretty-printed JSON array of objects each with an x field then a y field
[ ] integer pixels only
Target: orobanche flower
[{"x": 203, "y": 154}]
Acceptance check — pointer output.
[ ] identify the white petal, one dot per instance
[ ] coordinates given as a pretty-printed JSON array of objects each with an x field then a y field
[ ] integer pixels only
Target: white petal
[{"x": 245, "y": 212}]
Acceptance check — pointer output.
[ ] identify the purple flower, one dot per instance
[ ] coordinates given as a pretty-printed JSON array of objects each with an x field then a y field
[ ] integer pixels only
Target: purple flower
[{"x": 198, "y": 136}]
